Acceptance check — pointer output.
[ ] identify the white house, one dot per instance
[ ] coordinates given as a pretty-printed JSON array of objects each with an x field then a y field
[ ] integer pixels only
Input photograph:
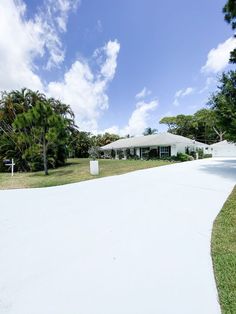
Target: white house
[
  {"x": 223, "y": 149},
  {"x": 160, "y": 145}
]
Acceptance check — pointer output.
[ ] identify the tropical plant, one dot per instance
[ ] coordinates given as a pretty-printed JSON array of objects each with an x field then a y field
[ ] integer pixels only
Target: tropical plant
[
  {"x": 150, "y": 131},
  {"x": 34, "y": 130}
]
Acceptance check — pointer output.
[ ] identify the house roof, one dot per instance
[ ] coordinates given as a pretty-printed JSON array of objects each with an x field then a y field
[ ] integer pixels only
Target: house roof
[
  {"x": 223, "y": 143},
  {"x": 151, "y": 140}
]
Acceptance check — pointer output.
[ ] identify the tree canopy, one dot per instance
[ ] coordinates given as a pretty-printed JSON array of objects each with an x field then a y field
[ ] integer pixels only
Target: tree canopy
[
  {"x": 223, "y": 103},
  {"x": 202, "y": 126},
  {"x": 40, "y": 132},
  {"x": 229, "y": 11},
  {"x": 34, "y": 130},
  {"x": 149, "y": 131}
]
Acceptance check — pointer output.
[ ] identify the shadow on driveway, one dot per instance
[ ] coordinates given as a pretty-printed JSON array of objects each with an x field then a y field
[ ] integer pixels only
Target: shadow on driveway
[{"x": 225, "y": 168}]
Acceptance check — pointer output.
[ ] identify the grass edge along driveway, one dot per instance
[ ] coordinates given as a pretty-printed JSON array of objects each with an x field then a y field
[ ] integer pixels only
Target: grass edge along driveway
[
  {"x": 223, "y": 249},
  {"x": 76, "y": 170}
]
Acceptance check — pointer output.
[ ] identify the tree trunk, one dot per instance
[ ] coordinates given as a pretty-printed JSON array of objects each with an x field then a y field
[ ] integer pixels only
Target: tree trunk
[
  {"x": 45, "y": 164},
  {"x": 219, "y": 133}
]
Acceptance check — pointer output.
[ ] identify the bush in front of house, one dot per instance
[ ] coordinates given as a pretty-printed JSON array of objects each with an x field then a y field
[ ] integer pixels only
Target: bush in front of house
[
  {"x": 207, "y": 156},
  {"x": 200, "y": 153},
  {"x": 153, "y": 154},
  {"x": 120, "y": 153},
  {"x": 184, "y": 157},
  {"x": 113, "y": 154}
]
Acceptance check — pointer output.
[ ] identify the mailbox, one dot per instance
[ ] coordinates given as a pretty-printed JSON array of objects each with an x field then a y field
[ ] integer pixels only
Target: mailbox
[{"x": 7, "y": 161}]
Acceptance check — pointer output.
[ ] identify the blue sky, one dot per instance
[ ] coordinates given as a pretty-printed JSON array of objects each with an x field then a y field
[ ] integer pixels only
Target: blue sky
[{"x": 121, "y": 65}]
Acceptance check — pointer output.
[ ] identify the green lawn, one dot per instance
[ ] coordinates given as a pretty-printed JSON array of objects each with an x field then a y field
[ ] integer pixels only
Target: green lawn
[
  {"x": 76, "y": 170},
  {"x": 224, "y": 254}
]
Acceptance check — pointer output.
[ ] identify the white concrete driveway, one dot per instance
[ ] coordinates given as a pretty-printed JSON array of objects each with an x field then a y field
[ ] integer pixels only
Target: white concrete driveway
[{"x": 132, "y": 244}]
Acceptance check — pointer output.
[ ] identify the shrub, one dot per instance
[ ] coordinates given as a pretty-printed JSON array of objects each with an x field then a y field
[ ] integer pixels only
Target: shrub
[
  {"x": 200, "y": 153},
  {"x": 120, "y": 153},
  {"x": 153, "y": 154},
  {"x": 183, "y": 157},
  {"x": 113, "y": 154},
  {"x": 127, "y": 153},
  {"x": 94, "y": 152},
  {"x": 207, "y": 156}
]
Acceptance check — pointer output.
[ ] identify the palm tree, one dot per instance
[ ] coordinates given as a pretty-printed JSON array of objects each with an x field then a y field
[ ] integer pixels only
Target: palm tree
[{"x": 149, "y": 131}]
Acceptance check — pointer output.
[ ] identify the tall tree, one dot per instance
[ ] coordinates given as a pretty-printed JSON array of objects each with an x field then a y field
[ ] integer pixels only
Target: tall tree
[
  {"x": 229, "y": 11},
  {"x": 202, "y": 126},
  {"x": 104, "y": 139},
  {"x": 170, "y": 122},
  {"x": 21, "y": 134},
  {"x": 46, "y": 126},
  {"x": 223, "y": 102}
]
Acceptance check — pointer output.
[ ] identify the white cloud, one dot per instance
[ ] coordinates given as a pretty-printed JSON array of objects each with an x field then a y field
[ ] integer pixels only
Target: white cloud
[
  {"x": 84, "y": 90},
  {"x": 176, "y": 102},
  {"x": 138, "y": 121},
  {"x": 111, "y": 51},
  {"x": 23, "y": 40},
  {"x": 143, "y": 93},
  {"x": 181, "y": 94},
  {"x": 218, "y": 58},
  {"x": 187, "y": 91},
  {"x": 52, "y": 20},
  {"x": 139, "y": 118},
  {"x": 19, "y": 44},
  {"x": 112, "y": 130},
  {"x": 99, "y": 26},
  {"x": 209, "y": 82}
]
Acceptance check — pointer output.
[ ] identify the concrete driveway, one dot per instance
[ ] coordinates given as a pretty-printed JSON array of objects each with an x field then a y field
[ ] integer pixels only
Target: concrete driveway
[{"x": 132, "y": 244}]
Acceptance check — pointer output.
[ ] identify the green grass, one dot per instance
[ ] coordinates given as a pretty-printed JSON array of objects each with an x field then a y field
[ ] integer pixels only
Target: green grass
[
  {"x": 224, "y": 254},
  {"x": 76, "y": 170}
]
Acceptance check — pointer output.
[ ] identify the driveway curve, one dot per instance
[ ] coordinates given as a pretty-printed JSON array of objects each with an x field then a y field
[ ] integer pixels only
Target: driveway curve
[{"x": 137, "y": 243}]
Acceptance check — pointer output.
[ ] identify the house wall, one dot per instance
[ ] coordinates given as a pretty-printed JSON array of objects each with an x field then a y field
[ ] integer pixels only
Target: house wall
[
  {"x": 175, "y": 148},
  {"x": 180, "y": 148},
  {"x": 227, "y": 150}
]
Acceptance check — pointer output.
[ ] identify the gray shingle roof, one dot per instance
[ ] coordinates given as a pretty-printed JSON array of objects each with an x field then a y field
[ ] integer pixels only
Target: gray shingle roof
[{"x": 150, "y": 140}]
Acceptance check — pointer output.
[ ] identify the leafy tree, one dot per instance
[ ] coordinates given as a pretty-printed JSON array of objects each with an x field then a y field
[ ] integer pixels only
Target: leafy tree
[
  {"x": 34, "y": 130},
  {"x": 80, "y": 143},
  {"x": 170, "y": 122},
  {"x": 229, "y": 11},
  {"x": 104, "y": 139},
  {"x": 46, "y": 128},
  {"x": 223, "y": 103},
  {"x": 202, "y": 126},
  {"x": 149, "y": 131}
]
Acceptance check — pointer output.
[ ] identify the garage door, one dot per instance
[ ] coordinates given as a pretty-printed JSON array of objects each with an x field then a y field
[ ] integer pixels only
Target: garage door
[{"x": 225, "y": 151}]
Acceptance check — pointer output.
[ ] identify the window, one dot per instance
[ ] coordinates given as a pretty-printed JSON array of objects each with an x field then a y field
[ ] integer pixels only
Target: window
[{"x": 165, "y": 151}]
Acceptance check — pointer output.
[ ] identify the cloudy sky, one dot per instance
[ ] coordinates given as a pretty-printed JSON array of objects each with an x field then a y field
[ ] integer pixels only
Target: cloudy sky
[{"x": 121, "y": 65}]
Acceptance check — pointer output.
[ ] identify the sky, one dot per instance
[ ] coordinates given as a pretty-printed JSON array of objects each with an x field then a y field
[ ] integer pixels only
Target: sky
[{"x": 121, "y": 65}]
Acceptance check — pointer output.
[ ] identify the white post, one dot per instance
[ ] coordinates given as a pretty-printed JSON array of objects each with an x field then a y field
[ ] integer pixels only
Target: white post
[
  {"x": 94, "y": 167},
  {"x": 12, "y": 167}
]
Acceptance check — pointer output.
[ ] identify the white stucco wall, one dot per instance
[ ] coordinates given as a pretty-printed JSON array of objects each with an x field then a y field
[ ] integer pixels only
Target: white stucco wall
[
  {"x": 180, "y": 148},
  {"x": 224, "y": 150},
  {"x": 174, "y": 150}
]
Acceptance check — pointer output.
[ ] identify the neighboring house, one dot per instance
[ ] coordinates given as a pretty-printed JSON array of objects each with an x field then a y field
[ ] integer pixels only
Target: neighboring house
[
  {"x": 159, "y": 145},
  {"x": 223, "y": 149}
]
